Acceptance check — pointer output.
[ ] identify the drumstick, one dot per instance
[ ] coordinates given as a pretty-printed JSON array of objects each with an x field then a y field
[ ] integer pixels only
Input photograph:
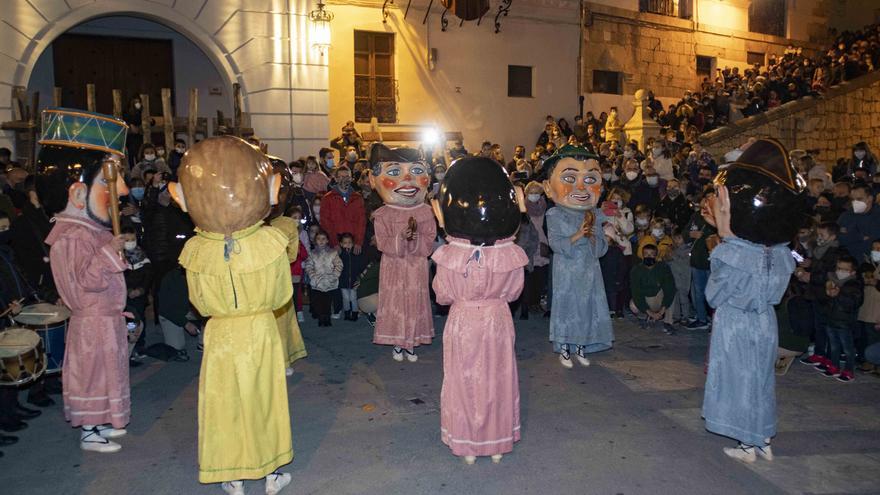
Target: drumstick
[
  {"x": 36, "y": 314},
  {"x": 10, "y": 307}
]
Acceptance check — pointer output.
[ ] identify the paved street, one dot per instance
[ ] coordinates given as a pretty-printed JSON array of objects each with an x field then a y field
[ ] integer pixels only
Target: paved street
[{"x": 364, "y": 424}]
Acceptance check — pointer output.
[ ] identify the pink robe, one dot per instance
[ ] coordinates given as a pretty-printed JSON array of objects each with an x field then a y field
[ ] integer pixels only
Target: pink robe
[
  {"x": 88, "y": 274},
  {"x": 479, "y": 401},
  {"x": 403, "y": 317}
]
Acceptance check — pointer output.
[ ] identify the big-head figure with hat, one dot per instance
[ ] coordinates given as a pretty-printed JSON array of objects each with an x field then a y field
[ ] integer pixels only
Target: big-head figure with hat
[
  {"x": 579, "y": 322},
  {"x": 479, "y": 271},
  {"x": 757, "y": 213}
]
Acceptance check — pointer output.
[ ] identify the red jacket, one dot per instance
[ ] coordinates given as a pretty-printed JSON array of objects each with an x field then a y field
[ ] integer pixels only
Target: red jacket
[{"x": 338, "y": 217}]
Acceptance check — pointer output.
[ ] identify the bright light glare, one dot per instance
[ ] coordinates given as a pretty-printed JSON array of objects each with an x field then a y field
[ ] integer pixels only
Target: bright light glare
[{"x": 431, "y": 137}]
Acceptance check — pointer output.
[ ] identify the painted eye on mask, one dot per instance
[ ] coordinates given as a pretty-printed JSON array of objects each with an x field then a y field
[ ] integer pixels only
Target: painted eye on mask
[
  {"x": 417, "y": 171},
  {"x": 394, "y": 172}
]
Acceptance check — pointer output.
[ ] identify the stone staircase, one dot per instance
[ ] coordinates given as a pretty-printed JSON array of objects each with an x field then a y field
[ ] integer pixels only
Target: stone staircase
[{"x": 832, "y": 123}]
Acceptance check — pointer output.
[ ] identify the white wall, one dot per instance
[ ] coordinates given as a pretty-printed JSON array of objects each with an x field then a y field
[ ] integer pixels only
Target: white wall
[
  {"x": 192, "y": 68},
  {"x": 467, "y": 90}
]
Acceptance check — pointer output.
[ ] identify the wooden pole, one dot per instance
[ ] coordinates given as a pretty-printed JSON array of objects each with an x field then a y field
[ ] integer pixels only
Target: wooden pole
[
  {"x": 34, "y": 124},
  {"x": 145, "y": 118},
  {"x": 168, "y": 117},
  {"x": 117, "y": 103},
  {"x": 56, "y": 97},
  {"x": 90, "y": 97},
  {"x": 110, "y": 175},
  {"x": 193, "y": 117},
  {"x": 236, "y": 109}
]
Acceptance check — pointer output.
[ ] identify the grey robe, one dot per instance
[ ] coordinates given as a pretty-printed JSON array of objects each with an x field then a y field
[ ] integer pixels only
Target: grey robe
[
  {"x": 580, "y": 310},
  {"x": 747, "y": 280}
]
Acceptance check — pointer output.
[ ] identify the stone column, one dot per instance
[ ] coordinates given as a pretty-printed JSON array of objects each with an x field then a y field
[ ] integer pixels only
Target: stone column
[{"x": 641, "y": 126}]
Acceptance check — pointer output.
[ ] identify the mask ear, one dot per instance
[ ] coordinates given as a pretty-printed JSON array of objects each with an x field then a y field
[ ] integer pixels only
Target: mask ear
[
  {"x": 77, "y": 195},
  {"x": 520, "y": 198},
  {"x": 274, "y": 188},
  {"x": 176, "y": 191},
  {"x": 372, "y": 179},
  {"x": 435, "y": 205},
  {"x": 547, "y": 190}
]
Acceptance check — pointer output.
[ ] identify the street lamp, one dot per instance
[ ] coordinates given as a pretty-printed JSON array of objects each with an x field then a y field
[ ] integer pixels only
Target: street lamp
[{"x": 320, "y": 19}]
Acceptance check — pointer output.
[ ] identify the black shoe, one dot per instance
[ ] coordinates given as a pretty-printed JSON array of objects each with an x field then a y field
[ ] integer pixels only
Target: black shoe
[
  {"x": 7, "y": 440},
  {"x": 354, "y": 316},
  {"x": 53, "y": 386},
  {"x": 41, "y": 400},
  {"x": 132, "y": 363},
  {"x": 524, "y": 316},
  {"x": 25, "y": 413},
  {"x": 12, "y": 425}
]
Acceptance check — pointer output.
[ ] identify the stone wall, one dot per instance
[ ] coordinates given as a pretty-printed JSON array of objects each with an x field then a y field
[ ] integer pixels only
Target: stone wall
[
  {"x": 660, "y": 52},
  {"x": 846, "y": 114}
]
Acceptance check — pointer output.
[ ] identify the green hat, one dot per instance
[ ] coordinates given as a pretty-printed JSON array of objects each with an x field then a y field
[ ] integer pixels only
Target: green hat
[{"x": 568, "y": 151}]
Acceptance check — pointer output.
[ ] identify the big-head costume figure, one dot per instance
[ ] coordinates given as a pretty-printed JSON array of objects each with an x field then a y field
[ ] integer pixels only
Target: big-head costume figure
[
  {"x": 757, "y": 214},
  {"x": 238, "y": 273},
  {"x": 405, "y": 231},
  {"x": 479, "y": 271},
  {"x": 291, "y": 337},
  {"x": 579, "y": 321},
  {"x": 87, "y": 269}
]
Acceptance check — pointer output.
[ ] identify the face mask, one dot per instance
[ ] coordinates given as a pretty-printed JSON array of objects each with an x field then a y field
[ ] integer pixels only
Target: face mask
[
  {"x": 875, "y": 256},
  {"x": 860, "y": 154},
  {"x": 606, "y": 176},
  {"x": 657, "y": 233},
  {"x": 160, "y": 152},
  {"x": 631, "y": 175},
  {"x": 658, "y": 151},
  {"x": 649, "y": 261},
  {"x": 130, "y": 245},
  {"x": 137, "y": 193},
  {"x": 534, "y": 197},
  {"x": 823, "y": 209},
  {"x": 859, "y": 206},
  {"x": 652, "y": 180},
  {"x": 330, "y": 163},
  {"x": 842, "y": 274},
  {"x": 440, "y": 176},
  {"x": 351, "y": 156},
  {"x": 344, "y": 183},
  {"x": 316, "y": 210},
  {"x": 628, "y": 154},
  {"x": 298, "y": 178},
  {"x": 149, "y": 157},
  {"x": 137, "y": 106},
  {"x": 642, "y": 222},
  {"x": 619, "y": 203},
  {"x": 180, "y": 149},
  {"x": 673, "y": 193}
]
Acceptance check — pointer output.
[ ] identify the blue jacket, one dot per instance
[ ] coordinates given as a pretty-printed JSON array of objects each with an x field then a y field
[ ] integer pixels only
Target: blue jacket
[{"x": 857, "y": 231}]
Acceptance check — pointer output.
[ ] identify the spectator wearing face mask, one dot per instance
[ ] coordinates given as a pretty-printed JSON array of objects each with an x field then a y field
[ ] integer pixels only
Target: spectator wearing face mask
[
  {"x": 138, "y": 278},
  {"x": 860, "y": 225},
  {"x": 134, "y": 139},
  {"x": 630, "y": 176},
  {"x": 839, "y": 305},
  {"x": 657, "y": 237},
  {"x": 674, "y": 205},
  {"x": 653, "y": 289},
  {"x": 315, "y": 181},
  {"x": 149, "y": 160},
  {"x": 660, "y": 160},
  {"x": 700, "y": 231},
  {"x": 536, "y": 278},
  {"x": 342, "y": 210},
  {"x": 176, "y": 155},
  {"x": 861, "y": 158},
  {"x": 351, "y": 157},
  {"x": 327, "y": 160},
  {"x": 704, "y": 178},
  {"x": 648, "y": 190},
  {"x": 298, "y": 195}
]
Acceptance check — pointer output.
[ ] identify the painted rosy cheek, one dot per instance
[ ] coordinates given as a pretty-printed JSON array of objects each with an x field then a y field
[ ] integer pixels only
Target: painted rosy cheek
[
  {"x": 595, "y": 190},
  {"x": 423, "y": 181},
  {"x": 389, "y": 184}
]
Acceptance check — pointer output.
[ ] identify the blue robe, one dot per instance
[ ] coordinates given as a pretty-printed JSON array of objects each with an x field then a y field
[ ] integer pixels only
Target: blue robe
[
  {"x": 746, "y": 281},
  {"x": 580, "y": 310}
]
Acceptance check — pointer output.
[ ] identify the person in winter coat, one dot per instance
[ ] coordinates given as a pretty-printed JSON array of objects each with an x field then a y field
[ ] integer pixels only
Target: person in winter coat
[
  {"x": 674, "y": 205},
  {"x": 840, "y": 304},
  {"x": 342, "y": 210},
  {"x": 352, "y": 266},
  {"x": 861, "y": 158},
  {"x": 323, "y": 268}
]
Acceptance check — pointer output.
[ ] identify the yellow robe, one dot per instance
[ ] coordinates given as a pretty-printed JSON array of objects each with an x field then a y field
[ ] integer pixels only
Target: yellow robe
[
  {"x": 244, "y": 421},
  {"x": 291, "y": 338}
]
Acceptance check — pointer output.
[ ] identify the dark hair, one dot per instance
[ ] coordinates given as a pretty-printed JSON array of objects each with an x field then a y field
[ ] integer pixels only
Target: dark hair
[
  {"x": 128, "y": 229},
  {"x": 5, "y": 152},
  {"x": 324, "y": 151},
  {"x": 845, "y": 258},
  {"x": 341, "y": 169},
  {"x": 179, "y": 140},
  {"x": 652, "y": 247},
  {"x": 294, "y": 209},
  {"x": 346, "y": 235},
  {"x": 677, "y": 231},
  {"x": 3, "y": 215},
  {"x": 297, "y": 164},
  {"x": 323, "y": 233},
  {"x": 863, "y": 268},
  {"x": 862, "y": 187}
]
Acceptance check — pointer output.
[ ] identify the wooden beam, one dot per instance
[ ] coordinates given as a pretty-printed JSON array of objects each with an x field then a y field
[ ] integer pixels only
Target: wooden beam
[
  {"x": 56, "y": 97},
  {"x": 18, "y": 97},
  {"x": 34, "y": 122},
  {"x": 193, "y": 115},
  {"x": 146, "y": 129},
  {"x": 236, "y": 108},
  {"x": 90, "y": 97},
  {"x": 117, "y": 103},
  {"x": 168, "y": 117}
]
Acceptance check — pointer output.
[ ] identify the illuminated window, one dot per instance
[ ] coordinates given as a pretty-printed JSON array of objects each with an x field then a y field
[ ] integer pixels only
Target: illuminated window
[{"x": 375, "y": 89}]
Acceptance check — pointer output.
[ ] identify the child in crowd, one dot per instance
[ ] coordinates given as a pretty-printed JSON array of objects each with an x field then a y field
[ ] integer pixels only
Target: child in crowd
[
  {"x": 656, "y": 236},
  {"x": 680, "y": 264},
  {"x": 868, "y": 326},
  {"x": 323, "y": 267},
  {"x": 840, "y": 305},
  {"x": 138, "y": 275},
  {"x": 614, "y": 264},
  {"x": 296, "y": 267},
  {"x": 352, "y": 266}
]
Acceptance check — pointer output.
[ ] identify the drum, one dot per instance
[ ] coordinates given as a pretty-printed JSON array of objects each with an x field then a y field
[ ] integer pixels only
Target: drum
[
  {"x": 21, "y": 356},
  {"x": 50, "y": 323}
]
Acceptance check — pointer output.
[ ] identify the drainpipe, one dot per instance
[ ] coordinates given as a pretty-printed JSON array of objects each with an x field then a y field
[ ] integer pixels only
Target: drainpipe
[{"x": 580, "y": 62}]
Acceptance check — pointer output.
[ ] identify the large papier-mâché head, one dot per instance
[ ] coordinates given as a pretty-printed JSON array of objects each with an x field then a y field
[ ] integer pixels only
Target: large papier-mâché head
[
  {"x": 573, "y": 178},
  {"x": 400, "y": 175}
]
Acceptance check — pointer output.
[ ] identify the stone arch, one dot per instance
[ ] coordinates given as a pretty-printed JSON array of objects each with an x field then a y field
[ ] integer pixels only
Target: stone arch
[{"x": 168, "y": 16}]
